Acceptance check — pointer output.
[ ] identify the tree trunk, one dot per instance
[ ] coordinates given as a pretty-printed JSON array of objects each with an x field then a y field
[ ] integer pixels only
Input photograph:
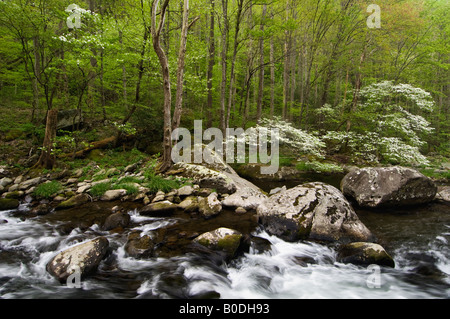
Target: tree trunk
[
  {"x": 211, "y": 62},
  {"x": 272, "y": 77},
  {"x": 223, "y": 85},
  {"x": 47, "y": 158},
  {"x": 180, "y": 70},
  {"x": 261, "y": 71},
  {"x": 156, "y": 35}
]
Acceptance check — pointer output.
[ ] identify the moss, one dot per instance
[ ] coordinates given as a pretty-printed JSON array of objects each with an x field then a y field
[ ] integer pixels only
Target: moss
[
  {"x": 303, "y": 230},
  {"x": 8, "y": 203},
  {"x": 204, "y": 242},
  {"x": 229, "y": 243}
]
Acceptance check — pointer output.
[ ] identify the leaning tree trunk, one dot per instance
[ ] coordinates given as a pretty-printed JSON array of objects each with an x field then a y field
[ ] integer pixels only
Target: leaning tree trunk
[{"x": 47, "y": 159}]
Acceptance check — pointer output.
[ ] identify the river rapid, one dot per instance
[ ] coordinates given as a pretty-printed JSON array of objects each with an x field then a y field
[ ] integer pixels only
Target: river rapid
[{"x": 416, "y": 237}]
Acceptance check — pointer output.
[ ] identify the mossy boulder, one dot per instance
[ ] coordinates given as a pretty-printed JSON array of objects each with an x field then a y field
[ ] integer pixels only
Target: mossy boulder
[
  {"x": 74, "y": 201},
  {"x": 159, "y": 208},
  {"x": 209, "y": 206},
  {"x": 8, "y": 203},
  {"x": 222, "y": 239},
  {"x": 362, "y": 253}
]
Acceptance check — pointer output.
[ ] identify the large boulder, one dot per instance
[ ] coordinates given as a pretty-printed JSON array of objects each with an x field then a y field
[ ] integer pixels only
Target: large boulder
[
  {"x": 314, "y": 211},
  {"x": 83, "y": 258},
  {"x": 388, "y": 186},
  {"x": 115, "y": 220},
  {"x": 8, "y": 203},
  {"x": 360, "y": 253}
]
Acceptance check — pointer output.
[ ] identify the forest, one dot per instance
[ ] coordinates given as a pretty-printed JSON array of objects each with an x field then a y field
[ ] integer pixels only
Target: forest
[{"x": 337, "y": 84}]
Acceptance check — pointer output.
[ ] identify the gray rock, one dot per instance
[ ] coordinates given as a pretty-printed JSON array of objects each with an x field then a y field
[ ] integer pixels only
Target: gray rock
[
  {"x": 388, "y": 186},
  {"x": 113, "y": 194},
  {"x": 240, "y": 210},
  {"x": 5, "y": 181},
  {"x": 164, "y": 207},
  {"x": 29, "y": 183},
  {"x": 443, "y": 194},
  {"x": 189, "y": 204},
  {"x": 361, "y": 253},
  {"x": 185, "y": 191},
  {"x": 277, "y": 190},
  {"x": 83, "y": 258},
  {"x": 8, "y": 203},
  {"x": 314, "y": 211},
  {"x": 221, "y": 239},
  {"x": 209, "y": 206}
]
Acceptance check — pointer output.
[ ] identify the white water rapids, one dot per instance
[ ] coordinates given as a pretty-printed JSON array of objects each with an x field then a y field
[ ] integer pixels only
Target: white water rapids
[{"x": 286, "y": 270}]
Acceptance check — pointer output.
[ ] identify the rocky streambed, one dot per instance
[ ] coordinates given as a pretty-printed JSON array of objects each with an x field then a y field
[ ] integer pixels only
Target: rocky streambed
[{"x": 223, "y": 236}]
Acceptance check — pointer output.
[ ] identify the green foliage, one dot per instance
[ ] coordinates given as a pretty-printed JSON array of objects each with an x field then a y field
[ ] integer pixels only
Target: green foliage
[
  {"x": 319, "y": 167},
  {"x": 47, "y": 190},
  {"x": 99, "y": 189}
]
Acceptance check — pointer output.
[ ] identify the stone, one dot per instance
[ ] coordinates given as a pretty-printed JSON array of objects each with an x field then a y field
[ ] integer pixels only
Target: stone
[
  {"x": 74, "y": 201},
  {"x": 312, "y": 211},
  {"x": 388, "y": 187},
  {"x": 189, "y": 204},
  {"x": 277, "y": 190},
  {"x": 209, "y": 206},
  {"x": 82, "y": 258},
  {"x": 185, "y": 191},
  {"x": 164, "y": 208},
  {"x": 117, "y": 219},
  {"x": 221, "y": 239},
  {"x": 362, "y": 253},
  {"x": 8, "y": 203},
  {"x": 139, "y": 246},
  {"x": 240, "y": 210},
  {"x": 29, "y": 183},
  {"x": 158, "y": 198},
  {"x": 443, "y": 194},
  {"x": 113, "y": 194},
  {"x": 5, "y": 181},
  {"x": 84, "y": 188}
]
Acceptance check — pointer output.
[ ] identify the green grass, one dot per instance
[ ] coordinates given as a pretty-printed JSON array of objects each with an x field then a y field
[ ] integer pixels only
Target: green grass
[
  {"x": 99, "y": 189},
  {"x": 130, "y": 188},
  {"x": 157, "y": 183},
  {"x": 47, "y": 190},
  {"x": 430, "y": 172}
]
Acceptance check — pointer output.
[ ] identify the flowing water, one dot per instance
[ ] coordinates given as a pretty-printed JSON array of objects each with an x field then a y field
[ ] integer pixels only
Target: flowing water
[{"x": 417, "y": 238}]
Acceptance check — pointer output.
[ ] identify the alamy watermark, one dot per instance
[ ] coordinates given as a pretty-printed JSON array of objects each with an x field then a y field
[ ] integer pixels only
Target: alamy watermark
[
  {"x": 374, "y": 20},
  {"x": 232, "y": 148}
]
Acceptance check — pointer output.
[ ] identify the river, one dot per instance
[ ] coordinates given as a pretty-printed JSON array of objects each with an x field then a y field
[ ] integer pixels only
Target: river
[{"x": 417, "y": 238}]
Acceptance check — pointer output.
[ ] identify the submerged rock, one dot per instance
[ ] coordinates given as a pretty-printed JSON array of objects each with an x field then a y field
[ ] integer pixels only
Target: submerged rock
[
  {"x": 388, "y": 186},
  {"x": 361, "y": 253},
  {"x": 118, "y": 219},
  {"x": 315, "y": 211},
  {"x": 83, "y": 258}
]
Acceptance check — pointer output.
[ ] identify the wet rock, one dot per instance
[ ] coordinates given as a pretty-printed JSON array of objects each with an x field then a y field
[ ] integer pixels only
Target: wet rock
[
  {"x": 209, "y": 206},
  {"x": 83, "y": 258},
  {"x": 221, "y": 239},
  {"x": 388, "y": 186},
  {"x": 158, "y": 208},
  {"x": 42, "y": 209},
  {"x": 74, "y": 201},
  {"x": 8, "y": 203},
  {"x": 139, "y": 246},
  {"x": 260, "y": 245},
  {"x": 118, "y": 219},
  {"x": 362, "y": 253},
  {"x": 113, "y": 194},
  {"x": 190, "y": 204},
  {"x": 314, "y": 211}
]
